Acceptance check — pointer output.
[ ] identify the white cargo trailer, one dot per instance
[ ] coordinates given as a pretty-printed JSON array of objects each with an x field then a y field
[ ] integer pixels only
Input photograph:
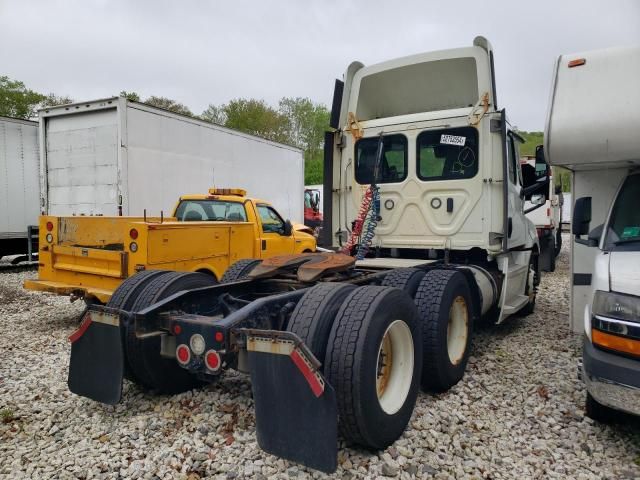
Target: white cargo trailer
[
  {"x": 19, "y": 198},
  {"x": 118, "y": 157},
  {"x": 592, "y": 129}
]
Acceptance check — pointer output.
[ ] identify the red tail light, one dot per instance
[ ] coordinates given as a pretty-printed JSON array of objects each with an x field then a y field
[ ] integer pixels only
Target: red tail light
[
  {"x": 219, "y": 337},
  {"x": 212, "y": 360},
  {"x": 183, "y": 354},
  {"x": 133, "y": 233},
  {"x": 49, "y": 226}
]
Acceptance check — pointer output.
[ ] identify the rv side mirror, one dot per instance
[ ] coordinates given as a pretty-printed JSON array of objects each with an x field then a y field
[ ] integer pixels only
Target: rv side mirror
[
  {"x": 538, "y": 199},
  {"x": 288, "y": 228},
  {"x": 581, "y": 219}
]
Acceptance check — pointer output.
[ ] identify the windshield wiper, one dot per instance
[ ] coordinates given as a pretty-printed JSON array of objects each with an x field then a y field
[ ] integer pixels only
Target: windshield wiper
[{"x": 626, "y": 240}]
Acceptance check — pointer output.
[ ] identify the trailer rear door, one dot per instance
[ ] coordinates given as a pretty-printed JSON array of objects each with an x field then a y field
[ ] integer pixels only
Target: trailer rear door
[{"x": 81, "y": 163}]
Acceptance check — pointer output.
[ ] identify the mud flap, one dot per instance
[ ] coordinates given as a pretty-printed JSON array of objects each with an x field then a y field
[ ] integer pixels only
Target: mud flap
[
  {"x": 296, "y": 409},
  {"x": 97, "y": 360}
]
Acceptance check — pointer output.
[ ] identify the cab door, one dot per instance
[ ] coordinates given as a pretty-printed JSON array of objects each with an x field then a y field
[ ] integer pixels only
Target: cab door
[
  {"x": 517, "y": 234},
  {"x": 273, "y": 237}
]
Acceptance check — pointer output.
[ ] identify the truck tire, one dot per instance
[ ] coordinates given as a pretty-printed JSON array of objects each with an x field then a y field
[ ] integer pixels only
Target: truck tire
[
  {"x": 314, "y": 314},
  {"x": 598, "y": 412},
  {"x": 151, "y": 370},
  {"x": 375, "y": 398},
  {"x": 445, "y": 306},
  {"x": 123, "y": 298},
  {"x": 530, "y": 307},
  {"x": 239, "y": 270},
  {"x": 407, "y": 279},
  {"x": 558, "y": 246}
]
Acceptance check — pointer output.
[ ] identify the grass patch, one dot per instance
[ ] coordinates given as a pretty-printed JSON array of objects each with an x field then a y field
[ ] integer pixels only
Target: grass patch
[{"x": 6, "y": 415}]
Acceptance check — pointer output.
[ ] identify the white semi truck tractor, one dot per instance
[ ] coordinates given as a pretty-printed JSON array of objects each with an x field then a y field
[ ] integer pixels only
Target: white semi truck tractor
[
  {"x": 424, "y": 198},
  {"x": 592, "y": 129}
]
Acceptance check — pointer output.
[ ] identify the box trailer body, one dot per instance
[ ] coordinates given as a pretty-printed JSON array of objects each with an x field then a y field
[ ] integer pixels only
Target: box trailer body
[
  {"x": 592, "y": 130},
  {"x": 118, "y": 157},
  {"x": 19, "y": 198}
]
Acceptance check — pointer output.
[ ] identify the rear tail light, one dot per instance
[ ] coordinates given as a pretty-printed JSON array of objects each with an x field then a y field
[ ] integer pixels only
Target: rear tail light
[
  {"x": 183, "y": 354},
  {"x": 133, "y": 233},
  {"x": 219, "y": 337},
  {"x": 49, "y": 226},
  {"x": 212, "y": 360}
]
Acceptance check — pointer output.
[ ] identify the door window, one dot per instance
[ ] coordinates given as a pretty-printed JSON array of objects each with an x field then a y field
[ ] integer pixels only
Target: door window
[
  {"x": 447, "y": 154},
  {"x": 272, "y": 222},
  {"x": 623, "y": 232}
]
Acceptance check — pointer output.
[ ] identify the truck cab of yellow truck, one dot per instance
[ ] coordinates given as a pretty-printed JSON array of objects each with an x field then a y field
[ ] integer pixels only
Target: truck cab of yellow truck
[{"x": 89, "y": 256}]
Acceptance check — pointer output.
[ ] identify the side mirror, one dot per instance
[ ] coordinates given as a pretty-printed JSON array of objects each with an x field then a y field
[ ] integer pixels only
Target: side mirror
[
  {"x": 288, "y": 228},
  {"x": 538, "y": 199},
  {"x": 581, "y": 219}
]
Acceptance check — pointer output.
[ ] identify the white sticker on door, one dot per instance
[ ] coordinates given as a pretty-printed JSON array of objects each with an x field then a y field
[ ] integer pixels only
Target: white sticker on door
[{"x": 453, "y": 140}]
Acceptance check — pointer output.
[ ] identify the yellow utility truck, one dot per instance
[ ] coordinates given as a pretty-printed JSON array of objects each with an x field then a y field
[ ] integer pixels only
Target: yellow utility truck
[{"x": 88, "y": 257}]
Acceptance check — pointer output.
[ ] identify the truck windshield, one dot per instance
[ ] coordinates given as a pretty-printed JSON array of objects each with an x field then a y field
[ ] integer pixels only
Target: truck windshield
[
  {"x": 394, "y": 160},
  {"x": 623, "y": 232},
  {"x": 210, "y": 210}
]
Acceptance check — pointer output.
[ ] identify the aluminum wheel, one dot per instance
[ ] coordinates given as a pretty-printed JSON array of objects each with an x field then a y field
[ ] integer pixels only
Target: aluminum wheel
[
  {"x": 394, "y": 371},
  {"x": 457, "y": 330}
]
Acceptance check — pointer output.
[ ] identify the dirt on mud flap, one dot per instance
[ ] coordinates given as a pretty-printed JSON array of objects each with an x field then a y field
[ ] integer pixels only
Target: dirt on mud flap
[
  {"x": 97, "y": 360},
  {"x": 296, "y": 408}
]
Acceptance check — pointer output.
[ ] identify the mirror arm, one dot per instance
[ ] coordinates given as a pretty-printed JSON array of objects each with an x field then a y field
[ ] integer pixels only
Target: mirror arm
[
  {"x": 589, "y": 242},
  {"x": 535, "y": 207}
]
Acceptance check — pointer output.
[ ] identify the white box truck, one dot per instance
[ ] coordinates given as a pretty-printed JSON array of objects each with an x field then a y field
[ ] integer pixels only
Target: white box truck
[
  {"x": 118, "y": 157},
  {"x": 19, "y": 199},
  {"x": 592, "y": 129}
]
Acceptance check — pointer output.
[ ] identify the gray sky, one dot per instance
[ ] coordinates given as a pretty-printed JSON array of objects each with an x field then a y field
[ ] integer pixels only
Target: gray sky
[{"x": 200, "y": 52}]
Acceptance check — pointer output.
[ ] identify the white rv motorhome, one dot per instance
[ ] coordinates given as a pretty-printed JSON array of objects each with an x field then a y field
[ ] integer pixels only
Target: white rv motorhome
[{"x": 592, "y": 129}]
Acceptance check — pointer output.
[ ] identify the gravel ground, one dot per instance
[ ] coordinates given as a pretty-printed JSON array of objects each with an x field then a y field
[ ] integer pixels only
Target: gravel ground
[{"x": 518, "y": 413}]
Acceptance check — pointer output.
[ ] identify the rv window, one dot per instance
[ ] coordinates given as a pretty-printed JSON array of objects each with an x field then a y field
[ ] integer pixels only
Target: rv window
[
  {"x": 210, "y": 210},
  {"x": 447, "y": 154},
  {"x": 624, "y": 227},
  {"x": 393, "y": 167}
]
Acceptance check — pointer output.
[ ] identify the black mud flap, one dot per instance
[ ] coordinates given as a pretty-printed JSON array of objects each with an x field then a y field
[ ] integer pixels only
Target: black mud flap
[
  {"x": 97, "y": 361},
  {"x": 296, "y": 409}
]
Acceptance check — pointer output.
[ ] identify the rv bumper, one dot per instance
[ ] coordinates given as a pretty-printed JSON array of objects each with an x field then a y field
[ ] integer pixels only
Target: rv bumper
[{"x": 612, "y": 380}]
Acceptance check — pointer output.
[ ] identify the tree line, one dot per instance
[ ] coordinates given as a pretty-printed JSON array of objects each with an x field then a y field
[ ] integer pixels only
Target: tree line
[{"x": 295, "y": 121}]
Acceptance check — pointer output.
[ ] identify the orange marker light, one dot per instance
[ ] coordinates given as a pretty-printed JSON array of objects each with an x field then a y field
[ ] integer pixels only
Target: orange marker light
[
  {"x": 577, "y": 62},
  {"x": 614, "y": 342}
]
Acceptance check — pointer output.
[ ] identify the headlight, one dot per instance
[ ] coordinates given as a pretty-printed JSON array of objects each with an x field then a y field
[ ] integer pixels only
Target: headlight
[{"x": 616, "y": 305}]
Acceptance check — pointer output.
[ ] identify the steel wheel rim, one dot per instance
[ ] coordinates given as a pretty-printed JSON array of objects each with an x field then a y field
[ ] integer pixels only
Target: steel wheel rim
[
  {"x": 457, "y": 330},
  {"x": 394, "y": 367}
]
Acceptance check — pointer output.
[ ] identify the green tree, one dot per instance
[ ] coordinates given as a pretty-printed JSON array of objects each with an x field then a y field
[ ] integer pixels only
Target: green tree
[
  {"x": 257, "y": 118},
  {"x": 215, "y": 115},
  {"x": 168, "y": 104},
  {"x": 16, "y": 100},
  {"x": 52, "y": 100},
  {"x": 133, "y": 96},
  {"x": 307, "y": 124}
]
